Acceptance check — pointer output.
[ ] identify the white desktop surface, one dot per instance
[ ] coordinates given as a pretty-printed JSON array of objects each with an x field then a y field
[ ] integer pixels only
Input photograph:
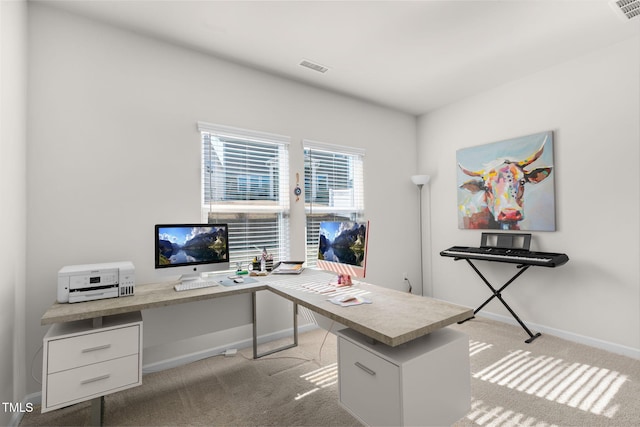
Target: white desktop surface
[{"x": 393, "y": 318}]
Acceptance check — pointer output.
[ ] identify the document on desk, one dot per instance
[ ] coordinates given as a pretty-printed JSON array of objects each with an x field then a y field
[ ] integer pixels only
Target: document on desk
[
  {"x": 349, "y": 300},
  {"x": 289, "y": 267}
]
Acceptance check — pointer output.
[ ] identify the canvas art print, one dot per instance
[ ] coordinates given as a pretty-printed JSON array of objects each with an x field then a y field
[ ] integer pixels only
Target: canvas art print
[{"x": 507, "y": 185}]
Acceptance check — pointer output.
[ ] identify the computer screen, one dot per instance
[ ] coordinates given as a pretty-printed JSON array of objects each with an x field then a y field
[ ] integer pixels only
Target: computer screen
[
  {"x": 342, "y": 247},
  {"x": 191, "y": 249}
]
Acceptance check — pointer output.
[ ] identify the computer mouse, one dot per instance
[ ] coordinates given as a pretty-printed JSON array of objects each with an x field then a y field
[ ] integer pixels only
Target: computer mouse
[{"x": 238, "y": 280}]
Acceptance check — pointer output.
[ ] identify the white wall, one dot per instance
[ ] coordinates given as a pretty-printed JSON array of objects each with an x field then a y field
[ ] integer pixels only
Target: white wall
[
  {"x": 113, "y": 149},
  {"x": 592, "y": 106},
  {"x": 13, "y": 86}
]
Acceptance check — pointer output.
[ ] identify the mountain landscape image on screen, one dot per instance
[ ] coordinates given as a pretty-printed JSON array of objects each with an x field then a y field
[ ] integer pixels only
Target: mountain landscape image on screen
[
  {"x": 203, "y": 244},
  {"x": 343, "y": 242}
]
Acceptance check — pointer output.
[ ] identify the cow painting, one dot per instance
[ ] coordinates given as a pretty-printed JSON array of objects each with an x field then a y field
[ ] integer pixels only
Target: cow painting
[{"x": 495, "y": 197}]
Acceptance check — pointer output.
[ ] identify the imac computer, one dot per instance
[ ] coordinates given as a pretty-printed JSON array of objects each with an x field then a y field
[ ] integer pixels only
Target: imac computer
[
  {"x": 342, "y": 248},
  {"x": 189, "y": 250}
]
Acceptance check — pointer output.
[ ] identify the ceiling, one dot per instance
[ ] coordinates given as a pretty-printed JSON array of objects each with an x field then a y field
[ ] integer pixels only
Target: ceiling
[{"x": 413, "y": 56}]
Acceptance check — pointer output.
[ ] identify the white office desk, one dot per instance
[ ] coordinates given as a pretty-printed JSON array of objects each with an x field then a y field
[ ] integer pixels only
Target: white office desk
[
  {"x": 146, "y": 296},
  {"x": 393, "y": 318}
]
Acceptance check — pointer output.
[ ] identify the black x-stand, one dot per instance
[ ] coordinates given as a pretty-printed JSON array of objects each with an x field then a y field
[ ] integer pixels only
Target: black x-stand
[{"x": 498, "y": 294}]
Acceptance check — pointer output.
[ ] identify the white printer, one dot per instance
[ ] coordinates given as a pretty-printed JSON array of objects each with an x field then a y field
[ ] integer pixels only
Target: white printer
[{"x": 89, "y": 282}]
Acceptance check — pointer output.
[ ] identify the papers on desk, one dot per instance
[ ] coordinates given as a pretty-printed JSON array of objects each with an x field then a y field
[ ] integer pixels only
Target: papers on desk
[
  {"x": 289, "y": 267},
  {"x": 349, "y": 300},
  {"x": 323, "y": 288}
]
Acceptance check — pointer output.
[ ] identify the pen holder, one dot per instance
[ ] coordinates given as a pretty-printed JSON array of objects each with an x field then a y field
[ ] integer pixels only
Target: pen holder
[{"x": 268, "y": 265}]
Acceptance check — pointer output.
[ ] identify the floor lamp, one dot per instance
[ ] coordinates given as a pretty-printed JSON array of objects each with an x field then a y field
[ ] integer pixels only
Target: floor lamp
[{"x": 420, "y": 181}]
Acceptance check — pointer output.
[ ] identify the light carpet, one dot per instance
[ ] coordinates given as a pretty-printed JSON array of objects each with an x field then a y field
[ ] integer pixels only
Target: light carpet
[{"x": 548, "y": 382}]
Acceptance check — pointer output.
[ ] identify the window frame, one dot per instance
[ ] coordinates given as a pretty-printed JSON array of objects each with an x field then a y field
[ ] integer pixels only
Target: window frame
[
  {"x": 250, "y": 220},
  {"x": 318, "y": 213}
]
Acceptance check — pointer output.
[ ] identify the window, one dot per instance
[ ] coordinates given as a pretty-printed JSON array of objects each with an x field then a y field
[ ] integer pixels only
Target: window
[
  {"x": 245, "y": 178},
  {"x": 333, "y": 188}
]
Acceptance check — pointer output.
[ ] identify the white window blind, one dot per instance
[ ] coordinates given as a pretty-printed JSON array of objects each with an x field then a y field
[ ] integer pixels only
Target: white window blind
[
  {"x": 245, "y": 178},
  {"x": 334, "y": 188}
]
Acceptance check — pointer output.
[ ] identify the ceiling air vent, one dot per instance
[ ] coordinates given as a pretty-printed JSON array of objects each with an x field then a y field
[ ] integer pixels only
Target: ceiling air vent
[
  {"x": 312, "y": 65},
  {"x": 626, "y": 9}
]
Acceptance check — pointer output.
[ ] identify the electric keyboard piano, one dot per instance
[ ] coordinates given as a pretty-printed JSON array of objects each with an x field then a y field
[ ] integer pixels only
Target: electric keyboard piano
[
  {"x": 514, "y": 256},
  {"x": 504, "y": 250}
]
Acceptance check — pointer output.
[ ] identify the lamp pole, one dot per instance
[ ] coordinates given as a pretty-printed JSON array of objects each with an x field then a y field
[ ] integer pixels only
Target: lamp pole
[{"x": 420, "y": 181}]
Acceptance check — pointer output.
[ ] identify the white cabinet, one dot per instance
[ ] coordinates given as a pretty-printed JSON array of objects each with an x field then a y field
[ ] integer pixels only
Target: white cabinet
[
  {"x": 424, "y": 382},
  {"x": 81, "y": 362}
]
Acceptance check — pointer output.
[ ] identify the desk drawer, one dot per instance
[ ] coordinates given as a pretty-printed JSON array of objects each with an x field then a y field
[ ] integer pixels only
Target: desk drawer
[
  {"x": 93, "y": 347},
  {"x": 75, "y": 385},
  {"x": 369, "y": 385}
]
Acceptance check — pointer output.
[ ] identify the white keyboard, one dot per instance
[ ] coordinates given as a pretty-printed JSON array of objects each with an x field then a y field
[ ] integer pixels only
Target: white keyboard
[{"x": 195, "y": 284}]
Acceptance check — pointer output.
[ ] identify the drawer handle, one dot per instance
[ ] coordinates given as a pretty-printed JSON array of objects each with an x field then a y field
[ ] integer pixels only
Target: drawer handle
[
  {"x": 99, "y": 347},
  {"x": 364, "y": 368},
  {"x": 92, "y": 380}
]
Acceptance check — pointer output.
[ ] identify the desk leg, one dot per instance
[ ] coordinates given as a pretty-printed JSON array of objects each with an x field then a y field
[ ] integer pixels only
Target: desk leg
[
  {"x": 254, "y": 307},
  {"x": 97, "y": 404},
  {"x": 97, "y": 411},
  {"x": 498, "y": 294}
]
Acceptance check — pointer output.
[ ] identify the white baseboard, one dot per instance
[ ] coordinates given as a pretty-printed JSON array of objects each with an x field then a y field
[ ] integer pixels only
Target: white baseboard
[
  {"x": 238, "y": 345},
  {"x": 569, "y": 336}
]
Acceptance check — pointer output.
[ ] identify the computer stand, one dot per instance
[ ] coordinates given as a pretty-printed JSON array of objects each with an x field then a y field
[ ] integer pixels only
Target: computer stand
[{"x": 498, "y": 294}]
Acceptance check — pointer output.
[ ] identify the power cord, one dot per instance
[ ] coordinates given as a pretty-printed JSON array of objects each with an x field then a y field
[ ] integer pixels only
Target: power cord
[
  {"x": 299, "y": 358},
  {"x": 406, "y": 279},
  {"x": 323, "y": 341}
]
